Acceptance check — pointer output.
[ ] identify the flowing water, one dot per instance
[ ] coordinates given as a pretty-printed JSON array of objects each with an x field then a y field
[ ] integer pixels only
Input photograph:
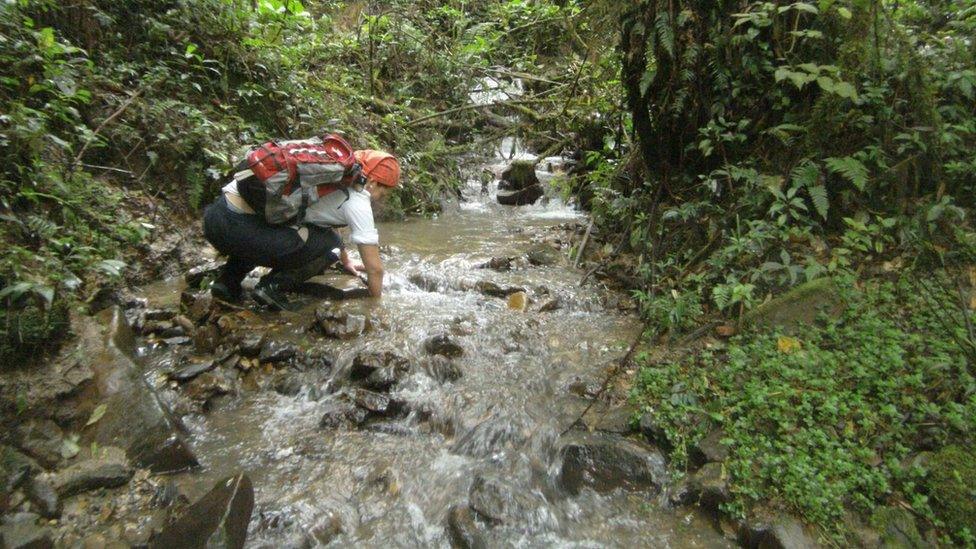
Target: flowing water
[{"x": 393, "y": 483}]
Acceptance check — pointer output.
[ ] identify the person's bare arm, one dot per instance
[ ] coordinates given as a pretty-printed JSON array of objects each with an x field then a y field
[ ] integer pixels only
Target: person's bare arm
[{"x": 370, "y": 255}]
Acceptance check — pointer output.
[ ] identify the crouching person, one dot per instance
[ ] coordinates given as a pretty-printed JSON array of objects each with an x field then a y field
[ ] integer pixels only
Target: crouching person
[{"x": 316, "y": 195}]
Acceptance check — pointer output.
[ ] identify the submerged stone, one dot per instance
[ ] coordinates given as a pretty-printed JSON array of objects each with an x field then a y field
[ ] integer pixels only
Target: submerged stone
[
  {"x": 192, "y": 370},
  {"x": 217, "y": 520},
  {"x": 443, "y": 345},
  {"x": 25, "y": 535},
  {"x": 462, "y": 529},
  {"x": 338, "y": 324},
  {"x": 498, "y": 501},
  {"x": 442, "y": 369}
]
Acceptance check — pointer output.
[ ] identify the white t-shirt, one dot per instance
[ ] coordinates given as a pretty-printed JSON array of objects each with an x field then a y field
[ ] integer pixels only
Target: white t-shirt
[{"x": 334, "y": 210}]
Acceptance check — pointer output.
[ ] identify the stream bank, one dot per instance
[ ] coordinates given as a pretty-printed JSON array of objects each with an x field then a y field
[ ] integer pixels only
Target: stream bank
[{"x": 431, "y": 418}]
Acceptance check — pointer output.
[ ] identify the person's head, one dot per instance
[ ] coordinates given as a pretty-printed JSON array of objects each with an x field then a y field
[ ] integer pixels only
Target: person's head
[{"x": 381, "y": 171}]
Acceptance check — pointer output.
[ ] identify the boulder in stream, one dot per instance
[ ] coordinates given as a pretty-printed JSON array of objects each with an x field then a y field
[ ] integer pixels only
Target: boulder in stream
[
  {"x": 217, "y": 520},
  {"x": 521, "y": 197},
  {"x": 519, "y": 175},
  {"x": 134, "y": 417},
  {"x": 605, "y": 462}
]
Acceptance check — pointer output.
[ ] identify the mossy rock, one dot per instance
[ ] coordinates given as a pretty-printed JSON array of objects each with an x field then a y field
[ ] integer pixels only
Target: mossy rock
[
  {"x": 896, "y": 528},
  {"x": 27, "y": 333},
  {"x": 952, "y": 487},
  {"x": 519, "y": 175},
  {"x": 799, "y": 306}
]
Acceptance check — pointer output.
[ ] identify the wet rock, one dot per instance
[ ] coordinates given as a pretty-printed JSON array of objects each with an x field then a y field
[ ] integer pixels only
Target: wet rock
[
  {"x": 653, "y": 431},
  {"x": 15, "y": 469},
  {"x": 518, "y": 175},
  {"x": 273, "y": 351},
  {"x": 425, "y": 282},
  {"x": 787, "y": 533},
  {"x": 378, "y": 371},
  {"x": 185, "y": 323},
  {"x": 205, "y": 271},
  {"x": 604, "y": 462},
  {"x": 443, "y": 345},
  {"x": 551, "y": 305},
  {"x": 521, "y": 197},
  {"x": 208, "y": 385},
  {"x": 206, "y": 339},
  {"x": 616, "y": 420},
  {"x": 462, "y": 529},
  {"x": 683, "y": 493},
  {"x": 491, "y": 289},
  {"x": 498, "y": 501},
  {"x": 339, "y": 324},
  {"x": 177, "y": 341},
  {"x": 157, "y": 327},
  {"x": 712, "y": 486},
  {"x": 584, "y": 388},
  {"x": 172, "y": 331},
  {"x": 340, "y": 413},
  {"x": 25, "y": 535},
  {"x": 44, "y": 497},
  {"x": 709, "y": 449},
  {"x": 192, "y": 370},
  {"x": 288, "y": 385},
  {"x": 159, "y": 314},
  {"x": 107, "y": 469},
  {"x": 543, "y": 255},
  {"x": 500, "y": 264},
  {"x": 376, "y": 403},
  {"x": 218, "y": 519},
  {"x": 197, "y": 306},
  {"x": 167, "y": 494},
  {"x": 442, "y": 369},
  {"x": 41, "y": 439},
  {"x": 251, "y": 345}
]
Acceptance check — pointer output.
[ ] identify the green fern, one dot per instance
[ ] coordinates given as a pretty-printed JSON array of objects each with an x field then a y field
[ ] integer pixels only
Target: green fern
[
  {"x": 850, "y": 168},
  {"x": 818, "y": 194},
  {"x": 665, "y": 34}
]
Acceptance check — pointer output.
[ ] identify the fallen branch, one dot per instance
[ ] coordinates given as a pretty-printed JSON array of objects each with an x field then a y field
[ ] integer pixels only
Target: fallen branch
[{"x": 582, "y": 248}]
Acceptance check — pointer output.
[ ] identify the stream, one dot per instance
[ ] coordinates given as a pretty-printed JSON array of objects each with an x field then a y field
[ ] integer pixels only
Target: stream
[{"x": 395, "y": 481}]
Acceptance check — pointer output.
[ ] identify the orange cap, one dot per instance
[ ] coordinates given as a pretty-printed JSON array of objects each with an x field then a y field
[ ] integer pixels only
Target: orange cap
[{"x": 378, "y": 166}]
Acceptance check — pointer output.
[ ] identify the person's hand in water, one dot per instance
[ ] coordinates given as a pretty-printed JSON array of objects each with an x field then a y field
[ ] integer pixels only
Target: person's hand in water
[{"x": 350, "y": 266}]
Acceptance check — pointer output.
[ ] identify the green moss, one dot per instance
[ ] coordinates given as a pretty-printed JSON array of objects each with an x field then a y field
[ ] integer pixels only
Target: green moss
[
  {"x": 896, "y": 528},
  {"x": 798, "y": 306},
  {"x": 952, "y": 488},
  {"x": 29, "y": 332}
]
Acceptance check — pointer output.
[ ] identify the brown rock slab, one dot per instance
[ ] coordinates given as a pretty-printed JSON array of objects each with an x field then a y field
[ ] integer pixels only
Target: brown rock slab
[{"x": 217, "y": 520}]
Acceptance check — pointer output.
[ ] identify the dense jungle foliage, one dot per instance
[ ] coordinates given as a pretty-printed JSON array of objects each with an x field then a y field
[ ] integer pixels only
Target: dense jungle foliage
[{"x": 730, "y": 150}]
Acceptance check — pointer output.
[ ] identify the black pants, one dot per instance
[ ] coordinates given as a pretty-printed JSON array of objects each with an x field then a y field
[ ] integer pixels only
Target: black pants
[{"x": 249, "y": 241}]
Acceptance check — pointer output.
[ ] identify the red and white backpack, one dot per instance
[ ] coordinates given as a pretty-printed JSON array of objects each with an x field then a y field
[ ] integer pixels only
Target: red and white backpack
[{"x": 280, "y": 179}]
